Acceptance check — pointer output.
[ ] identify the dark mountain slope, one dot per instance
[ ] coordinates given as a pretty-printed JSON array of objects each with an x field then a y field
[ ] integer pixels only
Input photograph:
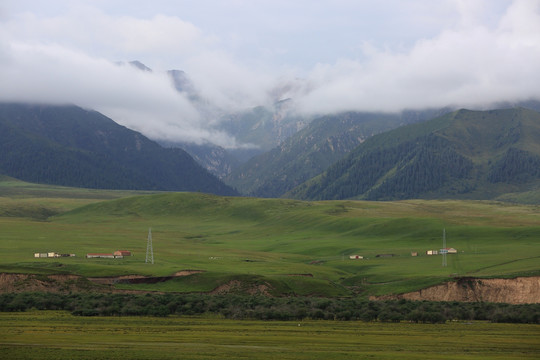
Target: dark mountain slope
[
  {"x": 312, "y": 150},
  {"x": 67, "y": 145},
  {"x": 465, "y": 154}
]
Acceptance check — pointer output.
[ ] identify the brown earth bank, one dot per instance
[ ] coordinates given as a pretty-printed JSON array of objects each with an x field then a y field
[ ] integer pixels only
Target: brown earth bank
[
  {"x": 520, "y": 290},
  {"x": 63, "y": 283}
]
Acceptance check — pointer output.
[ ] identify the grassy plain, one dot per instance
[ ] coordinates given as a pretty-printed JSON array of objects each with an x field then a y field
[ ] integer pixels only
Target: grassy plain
[
  {"x": 58, "y": 335},
  {"x": 297, "y": 247}
]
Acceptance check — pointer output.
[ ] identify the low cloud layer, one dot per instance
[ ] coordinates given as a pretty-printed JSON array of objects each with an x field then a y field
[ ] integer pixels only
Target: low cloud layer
[
  {"x": 143, "y": 101},
  {"x": 71, "y": 58},
  {"x": 469, "y": 66}
]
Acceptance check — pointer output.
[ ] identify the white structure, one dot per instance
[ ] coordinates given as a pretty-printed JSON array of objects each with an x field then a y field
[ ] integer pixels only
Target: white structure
[
  {"x": 149, "y": 248},
  {"x": 443, "y": 250},
  {"x": 100, "y": 256},
  {"x": 52, "y": 255}
]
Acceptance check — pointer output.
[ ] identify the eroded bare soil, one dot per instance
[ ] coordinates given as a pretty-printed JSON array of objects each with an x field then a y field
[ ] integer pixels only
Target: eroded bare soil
[{"x": 521, "y": 290}]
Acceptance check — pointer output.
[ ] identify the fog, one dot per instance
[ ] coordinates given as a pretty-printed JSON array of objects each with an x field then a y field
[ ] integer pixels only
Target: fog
[{"x": 71, "y": 57}]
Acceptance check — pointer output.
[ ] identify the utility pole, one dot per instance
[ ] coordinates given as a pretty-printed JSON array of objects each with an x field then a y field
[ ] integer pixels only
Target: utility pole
[
  {"x": 149, "y": 248},
  {"x": 443, "y": 250}
]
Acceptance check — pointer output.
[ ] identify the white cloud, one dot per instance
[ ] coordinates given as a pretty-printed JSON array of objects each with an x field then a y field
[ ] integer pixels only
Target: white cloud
[
  {"x": 144, "y": 101},
  {"x": 159, "y": 37},
  {"x": 34, "y": 69},
  {"x": 227, "y": 83},
  {"x": 467, "y": 66},
  {"x": 371, "y": 57}
]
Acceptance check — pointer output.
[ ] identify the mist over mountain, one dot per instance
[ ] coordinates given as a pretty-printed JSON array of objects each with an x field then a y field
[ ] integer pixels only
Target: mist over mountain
[{"x": 328, "y": 59}]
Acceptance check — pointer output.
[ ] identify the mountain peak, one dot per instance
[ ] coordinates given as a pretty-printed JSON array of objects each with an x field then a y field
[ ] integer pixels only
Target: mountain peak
[{"x": 139, "y": 65}]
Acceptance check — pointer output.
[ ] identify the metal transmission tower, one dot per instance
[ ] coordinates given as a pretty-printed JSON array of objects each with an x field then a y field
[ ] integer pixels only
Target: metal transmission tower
[
  {"x": 149, "y": 248},
  {"x": 444, "y": 250}
]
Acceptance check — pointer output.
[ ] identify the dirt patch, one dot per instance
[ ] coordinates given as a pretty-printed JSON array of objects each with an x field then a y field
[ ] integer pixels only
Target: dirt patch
[
  {"x": 114, "y": 280},
  {"x": 521, "y": 290},
  {"x": 63, "y": 283},
  {"x": 236, "y": 287},
  {"x": 139, "y": 279},
  {"x": 187, "y": 272},
  {"x": 12, "y": 283},
  {"x": 304, "y": 275}
]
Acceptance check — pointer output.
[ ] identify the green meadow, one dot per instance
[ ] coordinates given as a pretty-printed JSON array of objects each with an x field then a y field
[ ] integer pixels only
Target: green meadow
[
  {"x": 58, "y": 335},
  {"x": 291, "y": 247}
]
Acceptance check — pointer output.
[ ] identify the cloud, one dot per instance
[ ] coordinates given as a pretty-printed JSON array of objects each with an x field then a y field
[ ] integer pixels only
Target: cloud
[
  {"x": 34, "y": 69},
  {"x": 469, "y": 66},
  {"x": 227, "y": 83},
  {"x": 89, "y": 29},
  {"x": 143, "y": 101},
  {"x": 66, "y": 53}
]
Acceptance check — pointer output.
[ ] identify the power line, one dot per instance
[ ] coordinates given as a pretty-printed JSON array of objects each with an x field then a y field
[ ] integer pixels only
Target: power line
[
  {"x": 149, "y": 248},
  {"x": 444, "y": 250}
]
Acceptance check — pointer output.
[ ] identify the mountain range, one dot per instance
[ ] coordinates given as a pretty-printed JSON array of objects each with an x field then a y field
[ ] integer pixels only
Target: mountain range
[
  {"x": 71, "y": 146},
  {"x": 311, "y": 150},
  {"x": 433, "y": 153},
  {"x": 464, "y": 154}
]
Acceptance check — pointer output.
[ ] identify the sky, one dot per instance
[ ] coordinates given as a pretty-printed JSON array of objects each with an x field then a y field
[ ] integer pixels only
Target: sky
[{"x": 328, "y": 56}]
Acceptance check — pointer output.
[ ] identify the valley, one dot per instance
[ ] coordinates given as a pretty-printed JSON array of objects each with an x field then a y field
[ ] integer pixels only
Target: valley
[{"x": 270, "y": 180}]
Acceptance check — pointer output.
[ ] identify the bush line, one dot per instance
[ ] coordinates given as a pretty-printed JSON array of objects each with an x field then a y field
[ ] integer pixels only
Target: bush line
[{"x": 269, "y": 308}]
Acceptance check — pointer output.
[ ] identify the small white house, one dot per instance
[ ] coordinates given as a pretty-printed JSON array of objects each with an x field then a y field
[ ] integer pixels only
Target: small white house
[
  {"x": 99, "y": 256},
  {"x": 432, "y": 252},
  {"x": 356, "y": 257}
]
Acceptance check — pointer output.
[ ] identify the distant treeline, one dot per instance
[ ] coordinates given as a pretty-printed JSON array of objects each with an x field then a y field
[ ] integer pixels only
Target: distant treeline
[{"x": 269, "y": 308}]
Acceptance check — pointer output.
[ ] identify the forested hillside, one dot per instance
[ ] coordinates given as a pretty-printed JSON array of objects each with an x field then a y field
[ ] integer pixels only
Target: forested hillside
[
  {"x": 312, "y": 150},
  {"x": 465, "y": 154},
  {"x": 67, "y": 145}
]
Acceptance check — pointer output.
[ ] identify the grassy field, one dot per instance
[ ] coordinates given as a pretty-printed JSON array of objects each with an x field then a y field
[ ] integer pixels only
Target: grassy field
[
  {"x": 58, "y": 335},
  {"x": 295, "y": 247}
]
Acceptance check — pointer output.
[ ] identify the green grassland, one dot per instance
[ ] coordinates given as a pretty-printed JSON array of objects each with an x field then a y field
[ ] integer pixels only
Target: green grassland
[
  {"x": 58, "y": 335},
  {"x": 292, "y": 247}
]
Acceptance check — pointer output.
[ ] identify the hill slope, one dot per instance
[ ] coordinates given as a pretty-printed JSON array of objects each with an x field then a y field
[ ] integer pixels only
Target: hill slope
[
  {"x": 465, "y": 154},
  {"x": 312, "y": 150},
  {"x": 292, "y": 247},
  {"x": 67, "y": 145}
]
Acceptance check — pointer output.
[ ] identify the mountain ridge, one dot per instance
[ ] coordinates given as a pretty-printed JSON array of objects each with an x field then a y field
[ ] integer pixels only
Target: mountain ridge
[
  {"x": 464, "y": 154},
  {"x": 68, "y": 145},
  {"x": 314, "y": 148}
]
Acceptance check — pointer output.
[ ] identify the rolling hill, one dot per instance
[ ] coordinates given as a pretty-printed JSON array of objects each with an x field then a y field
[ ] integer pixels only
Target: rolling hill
[
  {"x": 67, "y": 145},
  {"x": 287, "y": 247},
  {"x": 465, "y": 154}
]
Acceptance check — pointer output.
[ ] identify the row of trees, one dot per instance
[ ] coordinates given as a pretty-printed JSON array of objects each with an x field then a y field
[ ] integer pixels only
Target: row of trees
[{"x": 269, "y": 308}]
